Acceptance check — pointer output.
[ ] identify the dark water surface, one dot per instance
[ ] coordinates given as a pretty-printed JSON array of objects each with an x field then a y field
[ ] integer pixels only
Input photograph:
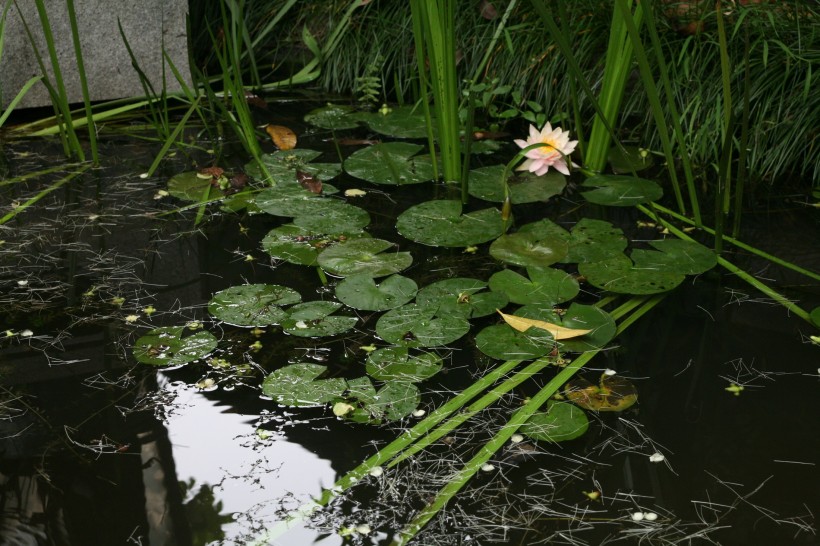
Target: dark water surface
[{"x": 98, "y": 449}]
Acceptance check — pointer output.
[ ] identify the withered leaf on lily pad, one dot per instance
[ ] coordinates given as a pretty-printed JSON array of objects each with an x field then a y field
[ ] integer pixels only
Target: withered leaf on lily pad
[
  {"x": 613, "y": 393},
  {"x": 283, "y": 137},
  {"x": 558, "y": 332}
]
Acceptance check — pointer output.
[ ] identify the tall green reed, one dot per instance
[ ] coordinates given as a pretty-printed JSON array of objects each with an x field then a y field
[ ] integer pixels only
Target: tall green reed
[{"x": 433, "y": 21}]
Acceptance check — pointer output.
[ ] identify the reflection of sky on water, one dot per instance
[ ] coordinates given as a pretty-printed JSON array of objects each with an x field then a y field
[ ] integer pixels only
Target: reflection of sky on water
[{"x": 250, "y": 476}]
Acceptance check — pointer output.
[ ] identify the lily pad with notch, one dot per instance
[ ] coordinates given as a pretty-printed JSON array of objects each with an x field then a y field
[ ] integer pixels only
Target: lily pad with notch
[
  {"x": 462, "y": 297},
  {"x": 486, "y": 183},
  {"x": 301, "y": 246},
  {"x": 169, "y": 346},
  {"x": 396, "y": 364},
  {"x": 363, "y": 404},
  {"x": 333, "y": 217},
  {"x": 283, "y": 164},
  {"x": 390, "y": 163},
  {"x": 687, "y": 257},
  {"x": 619, "y": 274},
  {"x": 594, "y": 240},
  {"x": 441, "y": 223},
  {"x": 190, "y": 186},
  {"x": 529, "y": 249},
  {"x": 252, "y": 304},
  {"x": 560, "y": 422},
  {"x": 545, "y": 286},
  {"x": 293, "y": 200},
  {"x": 364, "y": 257},
  {"x": 400, "y": 122},
  {"x": 335, "y": 117},
  {"x": 577, "y": 316},
  {"x": 502, "y": 342},
  {"x": 414, "y": 325},
  {"x": 314, "y": 319},
  {"x": 361, "y": 292},
  {"x": 297, "y": 385},
  {"x": 612, "y": 393},
  {"x": 621, "y": 191}
]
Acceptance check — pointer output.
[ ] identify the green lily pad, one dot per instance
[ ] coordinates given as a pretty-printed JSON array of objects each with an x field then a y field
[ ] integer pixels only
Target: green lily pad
[
  {"x": 580, "y": 317},
  {"x": 292, "y": 200},
  {"x": 296, "y": 385},
  {"x": 312, "y": 319},
  {"x": 414, "y": 325},
  {"x": 301, "y": 246},
  {"x": 440, "y": 223},
  {"x": 619, "y": 275},
  {"x": 362, "y": 404},
  {"x": 621, "y": 191},
  {"x": 188, "y": 186},
  {"x": 395, "y": 364},
  {"x": 362, "y": 292},
  {"x": 365, "y": 257},
  {"x": 486, "y": 183},
  {"x": 594, "y": 241},
  {"x": 502, "y": 342},
  {"x": 167, "y": 347},
  {"x": 631, "y": 158},
  {"x": 283, "y": 164},
  {"x": 613, "y": 393},
  {"x": 252, "y": 304},
  {"x": 545, "y": 286},
  {"x": 528, "y": 249},
  {"x": 390, "y": 163},
  {"x": 333, "y": 217},
  {"x": 686, "y": 257},
  {"x": 401, "y": 122},
  {"x": 335, "y": 117},
  {"x": 561, "y": 422},
  {"x": 461, "y": 297}
]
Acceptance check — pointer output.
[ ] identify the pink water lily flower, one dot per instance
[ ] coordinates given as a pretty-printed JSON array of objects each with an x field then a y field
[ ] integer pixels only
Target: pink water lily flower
[{"x": 556, "y": 145}]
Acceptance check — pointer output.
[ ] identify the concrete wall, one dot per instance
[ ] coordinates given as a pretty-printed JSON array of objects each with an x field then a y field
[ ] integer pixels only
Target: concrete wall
[{"x": 146, "y": 23}]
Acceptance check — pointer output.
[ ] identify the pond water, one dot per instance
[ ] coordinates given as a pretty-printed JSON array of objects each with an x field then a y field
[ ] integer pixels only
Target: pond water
[{"x": 100, "y": 449}]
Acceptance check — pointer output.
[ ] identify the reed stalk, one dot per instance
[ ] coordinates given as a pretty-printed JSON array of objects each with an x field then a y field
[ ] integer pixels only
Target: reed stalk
[
  {"x": 78, "y": 54},
  {"x": 16, "y": 100}
]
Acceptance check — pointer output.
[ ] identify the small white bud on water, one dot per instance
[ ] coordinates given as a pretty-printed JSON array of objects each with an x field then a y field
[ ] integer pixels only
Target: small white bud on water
[
  {"x": 487, "y": 467},
  {"x": 517, "y": 438},
  {"x": 376, "y": 471},
  {"x": 419, "y": 413},
  {"x": 609, "y": 372},
  {"x": 650, "y": 516},
  {"x": 363, "y": 529},
  {"x": 637, "y": 516},
  {"x": 656, "y": 458}
]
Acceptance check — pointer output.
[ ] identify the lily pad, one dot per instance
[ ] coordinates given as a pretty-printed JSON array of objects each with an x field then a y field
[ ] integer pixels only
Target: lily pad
[
  {"x": 364, "y": 257},
  {"x": 166, "y": 347},
  {"x": 686, "y": 257},
  {"x": 440, "y": 223},
  {"x": 545, "y": 286},
  {"x": 613, "y": 393},
  {"x": 502, "y": 342},
  {"x": 528, "y": 249},
  {"x": 297, "y": 385},
  {"x": 621, "y": 191},
  {"x": 578, "y": 316},
  {"x": 335, "y": 117},
  {"x": 283, "y": 164},
  {"x": 301, "y": 246},
  {"x": 619, "y": 275},
  {"x": 189, "y": 186},
  {"x": 362, "y": 404},
  {"x": 292, "y": 200},
  {"x": 312, "y": 319},
  {"x": 593, "y": 241},
  {"x": 333, "y": 217},
  {"x": 630, "y": 158},
  {"x": 362, "y": 292},
  {"x": 390, "y": 163},
  {"x": 414, "y": 325},
  {"x": 561, "y": 422},
  {"x": 461, "y": 297},
  {"x": 252, "y": 304},
  {"x": 396, "y": 364},
  {"x": 400, "y": 122},
  {"x": 486, "y": 183}
]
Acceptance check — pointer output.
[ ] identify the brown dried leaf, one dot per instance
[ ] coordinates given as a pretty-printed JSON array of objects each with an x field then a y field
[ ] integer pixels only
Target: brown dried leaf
[
  {"x": 558, "y": 332},
  {"x": 309, "y": 182},
  {"x": 283, "y": 137}
]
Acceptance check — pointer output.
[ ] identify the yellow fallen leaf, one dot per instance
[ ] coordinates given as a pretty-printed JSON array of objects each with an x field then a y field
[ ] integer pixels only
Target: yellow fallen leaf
[
  {"x": 283, "y": 137},
  {"x": 558, "y": 332}
]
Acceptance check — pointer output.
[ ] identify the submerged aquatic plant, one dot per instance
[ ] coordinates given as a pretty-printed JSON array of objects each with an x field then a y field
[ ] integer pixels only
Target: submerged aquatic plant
[{"x": 554, "y": 149}]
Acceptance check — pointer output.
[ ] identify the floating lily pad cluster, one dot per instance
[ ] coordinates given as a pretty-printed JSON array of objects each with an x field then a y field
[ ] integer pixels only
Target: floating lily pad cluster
[{"x": 536, "y": 265}]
